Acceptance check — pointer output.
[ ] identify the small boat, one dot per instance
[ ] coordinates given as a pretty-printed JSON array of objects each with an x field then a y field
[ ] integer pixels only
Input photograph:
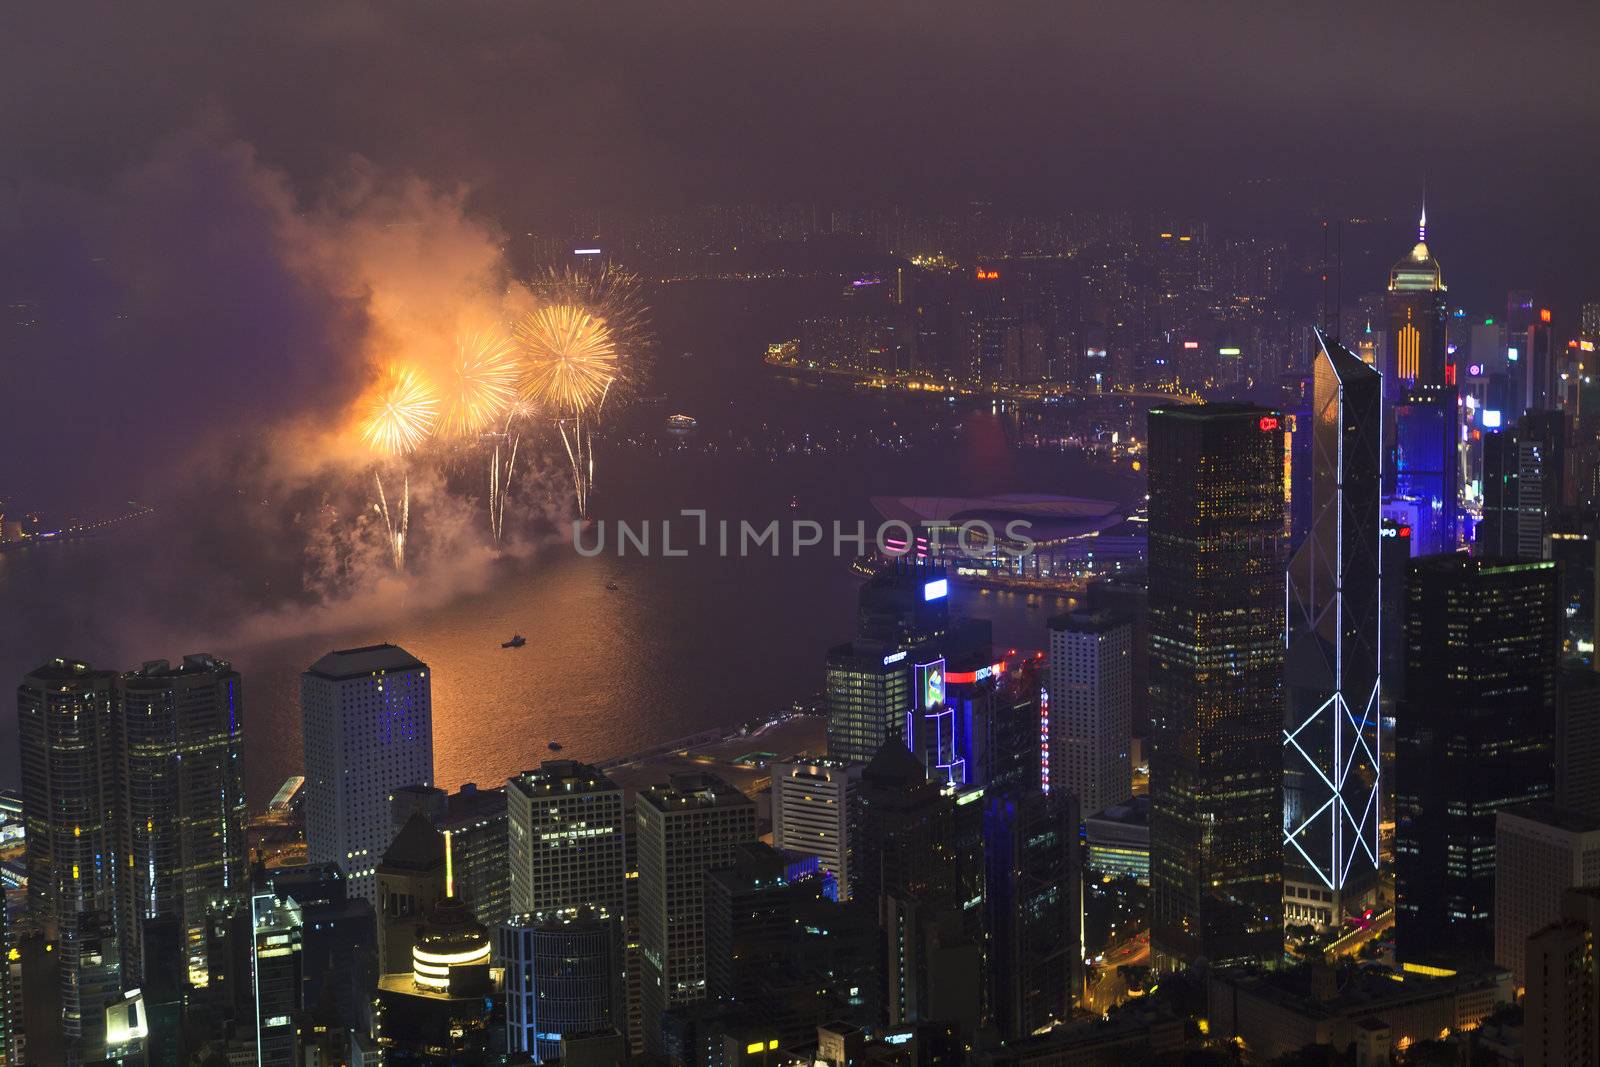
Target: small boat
[
  {"x": 517, "y": 641},
  {"x": 555, "y": 746},
  {"x": 612, "y": 586},
  {"x": 681, "y": 422}
]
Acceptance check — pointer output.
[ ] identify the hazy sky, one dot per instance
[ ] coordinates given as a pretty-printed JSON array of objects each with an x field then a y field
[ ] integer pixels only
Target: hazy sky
[{"x": 155, "y": 159}]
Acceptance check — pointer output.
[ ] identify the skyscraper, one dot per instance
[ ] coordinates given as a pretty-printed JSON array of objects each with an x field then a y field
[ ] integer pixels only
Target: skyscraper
[
  {"x": 868, "y": 693},
  {"x": 1090, "y": 702},
  {"x": 1216, "y": 536},
  {"x": 1524, "y": 470},
  {"x": 1414, "y": 342},
  {"x": 367, "y": 717},
  {"x": 180, "y": 730},
  {"x": 275, "y": 974},
  {"x": 1474, "y": 732},
  {"x": 66, "y": 729},
  {"x": 1331, "y": 730},
  {"x": 685, "y": 828},
  {"x": 567, "y": 848}
]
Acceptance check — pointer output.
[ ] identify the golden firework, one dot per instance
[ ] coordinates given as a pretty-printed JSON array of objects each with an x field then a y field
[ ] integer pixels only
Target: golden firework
[
  {"x": 569, "y": 358},
  {"x": 482, "y": 385},
  {"x": 399, "y": 414}
]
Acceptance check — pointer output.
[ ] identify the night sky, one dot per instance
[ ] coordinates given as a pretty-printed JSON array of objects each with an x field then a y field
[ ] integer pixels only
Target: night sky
[{"x": 141, "y": 147}]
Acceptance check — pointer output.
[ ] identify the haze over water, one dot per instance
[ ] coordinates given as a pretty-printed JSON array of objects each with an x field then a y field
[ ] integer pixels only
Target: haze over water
[{"x": 680, "y": 645}]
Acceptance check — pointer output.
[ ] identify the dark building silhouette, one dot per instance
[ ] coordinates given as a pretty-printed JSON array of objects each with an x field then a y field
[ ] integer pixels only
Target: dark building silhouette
[
  {"x": 1474, "y": 736},
  {"x": 1216, "y": 535}
]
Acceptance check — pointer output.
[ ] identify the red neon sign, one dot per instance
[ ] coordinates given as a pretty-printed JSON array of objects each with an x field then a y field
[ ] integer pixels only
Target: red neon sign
[
  {"x": 1269, "y": 422},
  {"x": 1544, "y": 314},
  {"x": 988, "y": 275},
  {"x": 1449, "y": 374}
]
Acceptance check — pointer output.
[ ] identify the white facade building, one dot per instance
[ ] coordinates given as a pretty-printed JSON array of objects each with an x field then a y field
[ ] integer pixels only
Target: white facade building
[
  {"x": 1091, "y": 708},
  {"x": 367, "y": 718}
]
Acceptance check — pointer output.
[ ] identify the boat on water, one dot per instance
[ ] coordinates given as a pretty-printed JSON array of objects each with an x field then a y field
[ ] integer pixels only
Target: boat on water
[
  {"x": 555, "y": 746},
  {"x": 681, "y": 422},
  {"x": 611, "y": 586},
  {"x": 517, "y": 641}
]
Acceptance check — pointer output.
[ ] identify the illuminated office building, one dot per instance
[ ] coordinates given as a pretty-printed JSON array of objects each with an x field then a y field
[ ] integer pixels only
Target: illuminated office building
[
  {"x": 1332, "y": 736},
  {"x": 685, "y": 828},
  {"x": 475, "y": 819},
  {"x": 563, "y": 978},
  {"x": 180, "y": 731},
  {"x": 1216, "y": 533},
  {"x": 565, "y": 824},
  {"x": 868, "y": 692},
  {"x": 1524, "y": 471},
  {"x": 275, "y": 976},
  {"x": 1090, "y": 705},
  {"x": 811, "y": 804},
  {"x": 1474, "y": 736},
  {"x": 367, "y": 719},
  {"x": 66, "y": 730},
  {"x": 1415, "y": 341}
]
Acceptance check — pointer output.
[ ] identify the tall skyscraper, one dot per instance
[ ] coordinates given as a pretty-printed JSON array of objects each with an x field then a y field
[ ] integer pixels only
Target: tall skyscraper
[
  {"x": 367, "y": 718},
  {"x": 1090, "y": 705},
  {"x": 475, "y": 819},
  {"x": 180, "y": 731},
  {"x": 1332, "y": 800},
  {"x": 275, "y": 974},
  {"x": 1216, "y": 536},
  {"x": 685, "y": 828},
  {"x": 1474, "y": 736},
  {"x": 811, "y": 804},
  {"x": 67, "y": 734},
  {"x": 1415, "y": 342},
  {"x": 567, "y": 848},
  {"x": 1524, "y": 470}
]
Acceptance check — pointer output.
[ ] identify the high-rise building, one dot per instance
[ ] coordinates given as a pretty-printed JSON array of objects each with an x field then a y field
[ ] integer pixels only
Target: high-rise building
[
  {"x": 1561, "y": 1011},
  {"x": 811, "y": 804},
  {"x": 411, "y": 880},
  {"x": 66, "y": 729},
  {"x": 275, "y": 976},
  {"x": 1415, "y": 342},
  {"x": 1541, "y": 851},
  {"x": 367, "y": 718},
  {"x": 868, "y": 693},
  {"x": 448, "y": 1006},
  {"x": 1332, "y": 735},
  {"x": 1033, "y": 908},
  {"x": 1216, "y": 534},
  {"x": 567, "y": 848},
  {"x": 685, "y": 828},
  {"x": 563, "y": 978},
  {"x": 1089, "y": 684},
  {"x": 476, "y": 820},
  {"x": 1524, "y": 470},
  {"x": 1474, "y": 736},
  {"x": 1573, "y": 543},
  {"x": 180, "y": 732},
  {"x": 1578, "y": 742}
]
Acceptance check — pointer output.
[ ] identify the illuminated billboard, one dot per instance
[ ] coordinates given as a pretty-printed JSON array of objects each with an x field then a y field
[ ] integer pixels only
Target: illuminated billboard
[
  {"x": 937, "y": 589},
  {"x": 930, "y": 684}
]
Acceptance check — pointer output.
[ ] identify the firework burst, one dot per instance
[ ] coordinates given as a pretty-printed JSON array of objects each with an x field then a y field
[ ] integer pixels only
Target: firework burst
[
  {"x": 482, "y": 384},
  {"x": 400, "y": 414},
  {"x": 584, "y": 341}
]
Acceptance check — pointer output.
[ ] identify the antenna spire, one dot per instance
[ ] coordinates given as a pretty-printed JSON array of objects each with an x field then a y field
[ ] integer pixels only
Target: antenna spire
[{"x": 1422, "y": 222}]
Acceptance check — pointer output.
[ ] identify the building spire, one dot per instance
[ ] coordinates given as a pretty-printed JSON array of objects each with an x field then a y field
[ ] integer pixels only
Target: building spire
[{"x": 1422, "y": 223}]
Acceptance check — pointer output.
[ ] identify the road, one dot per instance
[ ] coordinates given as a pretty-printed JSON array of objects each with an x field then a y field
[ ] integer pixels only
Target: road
[{"x": 1106, "y": 990}]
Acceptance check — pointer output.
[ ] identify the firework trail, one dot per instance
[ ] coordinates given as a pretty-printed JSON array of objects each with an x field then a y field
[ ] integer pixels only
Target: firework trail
[
  {"x": 582, "y": 342},
  {"x": 502, "y": 464},
  {"x": 399, "y": 417}
]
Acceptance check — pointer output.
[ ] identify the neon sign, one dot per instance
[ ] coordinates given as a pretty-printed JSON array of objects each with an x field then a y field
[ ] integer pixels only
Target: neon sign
[
  {"x": 988, "y": 275},
  {"x": 937, "y": 589},
  {"x": 1269, "y": 422}
]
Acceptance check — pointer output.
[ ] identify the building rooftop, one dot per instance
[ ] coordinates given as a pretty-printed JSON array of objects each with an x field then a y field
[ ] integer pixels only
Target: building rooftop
[
  {"x": 1553, "y": 815},
  {"x": 561, "y": 776},
  {"x": 358, "y": 662},
  {"x": 698, "y": 790},
  {"x": 1087, "y": 622}
]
